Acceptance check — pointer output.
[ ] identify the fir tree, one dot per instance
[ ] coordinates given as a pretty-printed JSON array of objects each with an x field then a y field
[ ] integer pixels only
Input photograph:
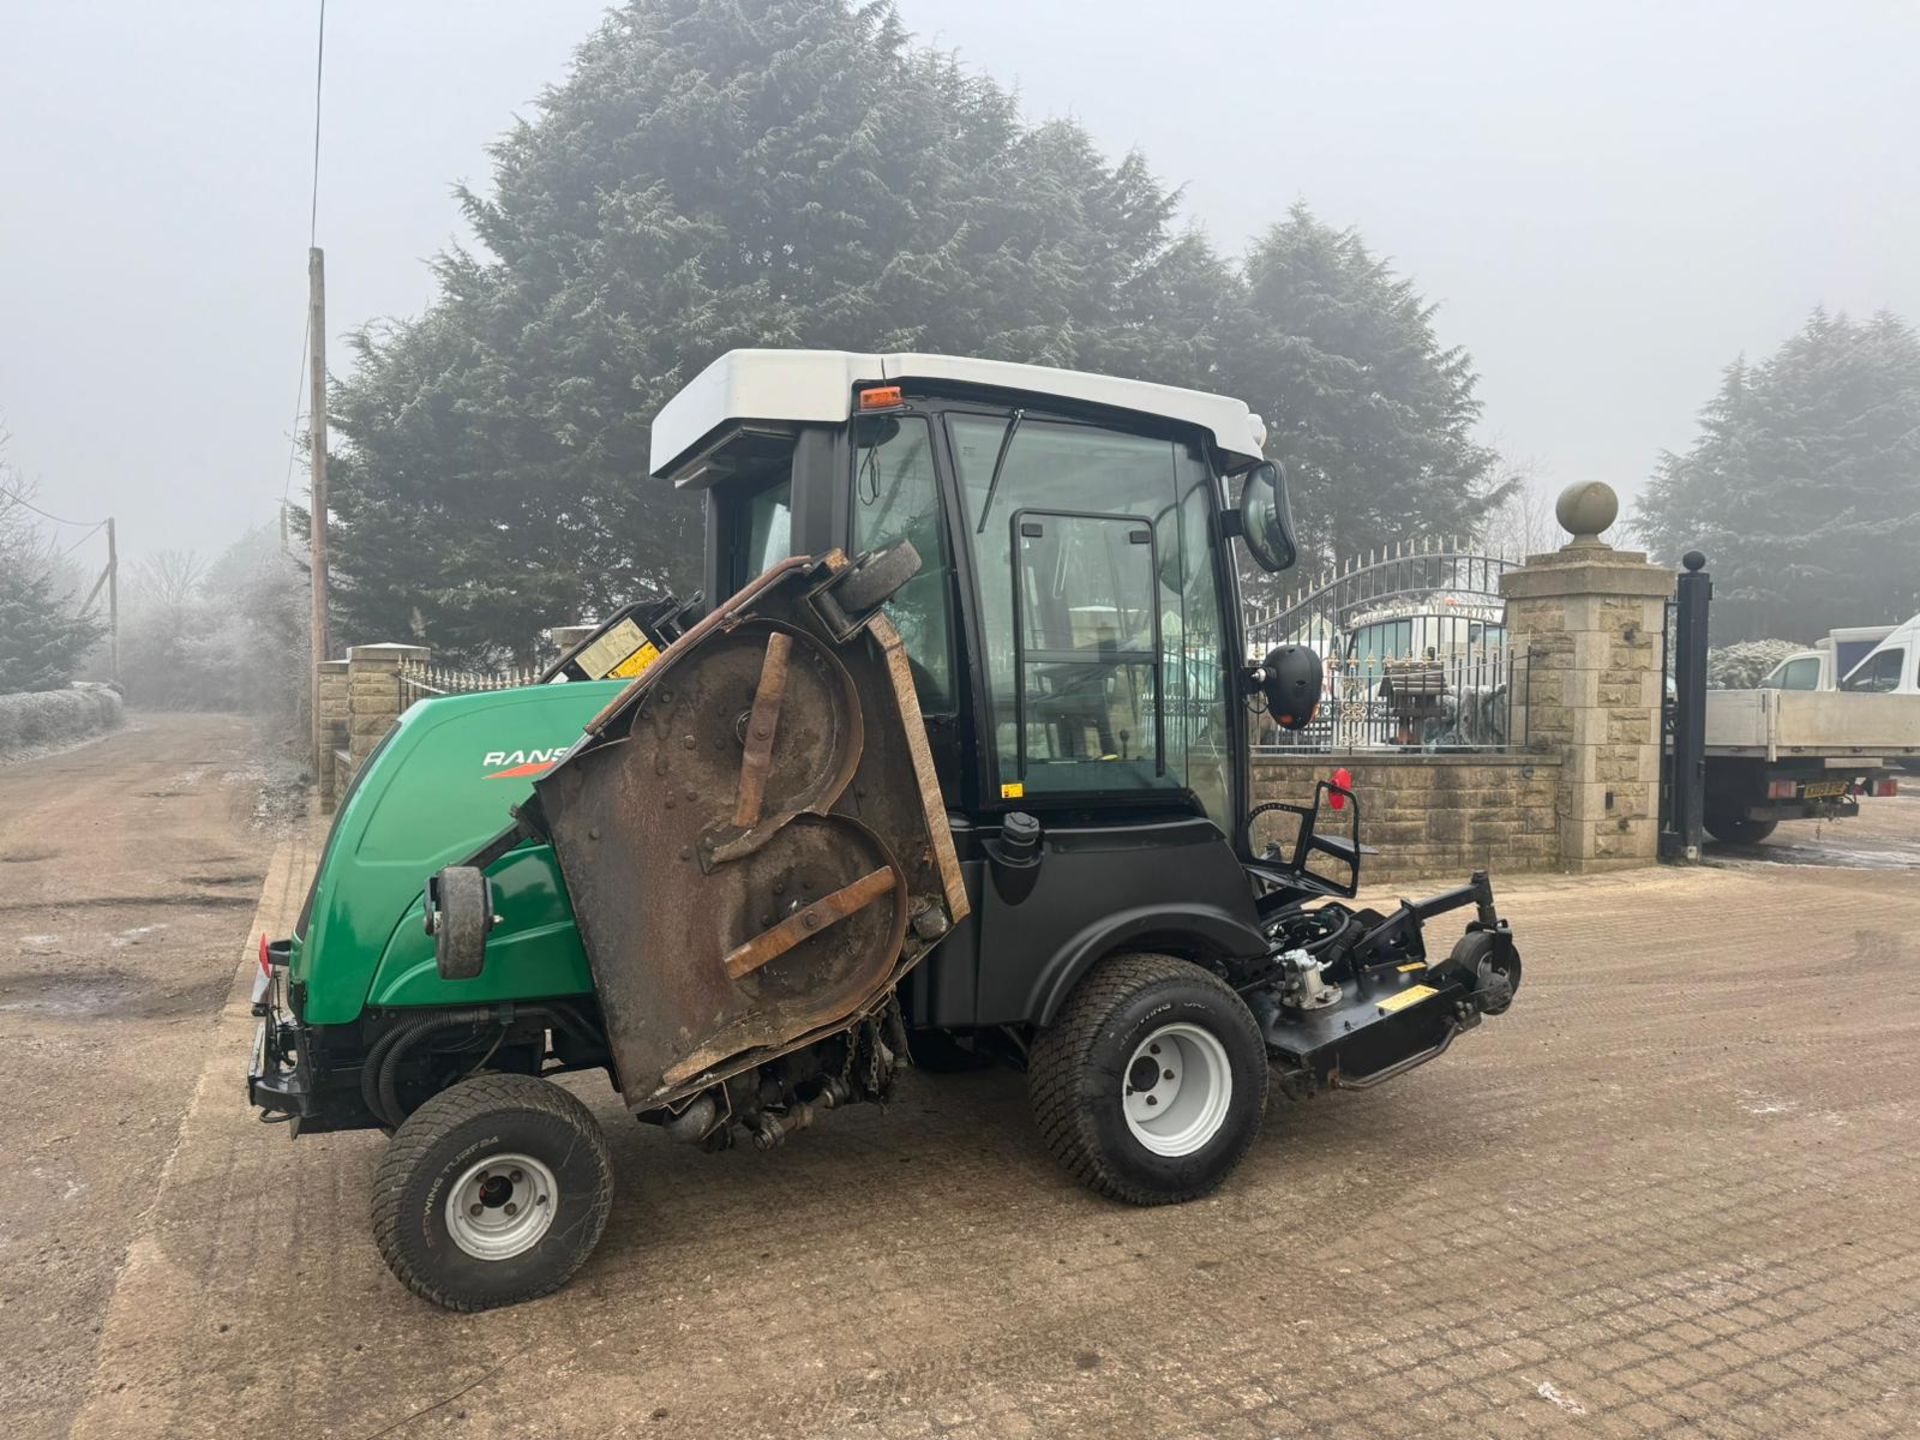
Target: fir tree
[
  {"x": 42, "y": 641},
  {"x": 722, "y": 173},
  {"x": 1803, "y": 485},
  {"x": 1372, "y": 415}
]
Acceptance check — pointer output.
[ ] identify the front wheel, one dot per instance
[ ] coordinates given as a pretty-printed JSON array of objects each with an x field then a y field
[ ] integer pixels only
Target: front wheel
[
  {"x": 1150, "y": 1084},
  {"x": 493, "y": 1192},
  {"x": 1738, "y": 829}
]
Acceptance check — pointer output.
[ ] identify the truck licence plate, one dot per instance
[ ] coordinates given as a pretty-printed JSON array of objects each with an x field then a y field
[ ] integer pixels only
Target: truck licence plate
[{"x": 1824, "y": 789}]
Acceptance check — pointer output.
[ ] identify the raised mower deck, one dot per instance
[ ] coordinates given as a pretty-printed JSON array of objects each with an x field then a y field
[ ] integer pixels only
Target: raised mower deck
[{"x": 752, "y": 837}]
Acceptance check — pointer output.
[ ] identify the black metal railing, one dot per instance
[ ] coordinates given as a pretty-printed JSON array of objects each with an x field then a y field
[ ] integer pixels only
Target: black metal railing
[{"x": 1463, "y": 700}]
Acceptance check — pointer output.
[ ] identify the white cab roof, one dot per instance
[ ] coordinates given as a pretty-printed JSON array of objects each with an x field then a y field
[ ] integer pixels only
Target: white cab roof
[{"x": 801, "y": 387}]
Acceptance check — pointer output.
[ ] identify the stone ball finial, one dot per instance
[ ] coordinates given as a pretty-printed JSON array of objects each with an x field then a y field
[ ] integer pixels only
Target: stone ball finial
[
  {"x": 1585, "y": 509},
  {"x": 1694, "y": 560}
]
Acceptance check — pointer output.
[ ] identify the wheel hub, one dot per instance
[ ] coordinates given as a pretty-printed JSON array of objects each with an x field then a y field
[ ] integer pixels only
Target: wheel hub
[
  {"x": 502, "y": 1206},
  {"x": 1177, "y": 1090}
]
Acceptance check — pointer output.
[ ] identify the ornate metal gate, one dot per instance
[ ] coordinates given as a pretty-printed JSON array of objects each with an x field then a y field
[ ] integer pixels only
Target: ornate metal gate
[{"x": 1415, "y": 643}]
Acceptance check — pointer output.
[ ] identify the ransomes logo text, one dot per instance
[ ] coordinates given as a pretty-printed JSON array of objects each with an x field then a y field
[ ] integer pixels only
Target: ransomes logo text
[{"x": 507, "y": 764}]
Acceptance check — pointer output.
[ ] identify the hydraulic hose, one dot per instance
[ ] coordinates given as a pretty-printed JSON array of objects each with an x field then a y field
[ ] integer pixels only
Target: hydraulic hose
[
  {"x": 1314, "y": 947},
  {"x": 379, "y": 1076},
  {"x": 383, "y": 1060}
]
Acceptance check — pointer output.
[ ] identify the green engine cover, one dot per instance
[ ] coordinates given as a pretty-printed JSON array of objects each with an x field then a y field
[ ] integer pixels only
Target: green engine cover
[{"x": 439, "y": 787}]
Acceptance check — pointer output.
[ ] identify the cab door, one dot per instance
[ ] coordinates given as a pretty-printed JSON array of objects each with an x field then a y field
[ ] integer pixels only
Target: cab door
[
  {"x": 1098, "y": 642},
  {"x": 1096, "y": 662}
]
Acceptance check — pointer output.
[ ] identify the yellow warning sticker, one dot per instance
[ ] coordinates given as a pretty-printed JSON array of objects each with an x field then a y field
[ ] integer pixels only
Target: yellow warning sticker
[
  {"x": 1413, "y": 965},
  {"x": 636, "y": 663},
  {"x": 1015, "y": 791},
  {"x": 1412, "y": 995},
  {"x": 613, "y": 648}
]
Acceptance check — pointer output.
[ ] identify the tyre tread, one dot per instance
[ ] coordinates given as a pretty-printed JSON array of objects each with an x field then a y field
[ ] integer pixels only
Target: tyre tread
[
  {"x": 1061, "y": 1059},
  {"x": 451, "y": 1108}
]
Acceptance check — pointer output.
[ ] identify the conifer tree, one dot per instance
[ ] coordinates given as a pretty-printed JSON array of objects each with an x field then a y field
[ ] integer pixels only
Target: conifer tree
[
  {"x": 1803, "y": 485},
  {"x": 722, "y": 173}
]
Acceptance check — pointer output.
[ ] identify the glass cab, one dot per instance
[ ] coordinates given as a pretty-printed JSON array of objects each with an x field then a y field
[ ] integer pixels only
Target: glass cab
[{"x": 1069, "y": 631}]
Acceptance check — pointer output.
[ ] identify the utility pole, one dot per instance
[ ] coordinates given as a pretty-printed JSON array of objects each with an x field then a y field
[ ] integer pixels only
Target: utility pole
[
  {"x": 113, "y": 605},
  {"x": 317, "y": 443}
]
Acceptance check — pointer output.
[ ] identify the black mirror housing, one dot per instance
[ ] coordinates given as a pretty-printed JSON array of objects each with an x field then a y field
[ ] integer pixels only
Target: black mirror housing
[
  {"x": 1291, "y": 678},
  {"x": 1266, "y": 518}
]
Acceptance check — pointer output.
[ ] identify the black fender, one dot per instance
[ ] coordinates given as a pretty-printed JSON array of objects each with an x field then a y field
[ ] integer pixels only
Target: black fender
[{"x": 1190, "y": 931}]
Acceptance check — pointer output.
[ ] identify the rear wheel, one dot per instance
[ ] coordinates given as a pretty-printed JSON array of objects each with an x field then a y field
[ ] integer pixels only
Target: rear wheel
[
  {"x": 493, "y": 1192},
  {"x": 1150, "y": 1084},
  {"x": 1738, "y": 829}
]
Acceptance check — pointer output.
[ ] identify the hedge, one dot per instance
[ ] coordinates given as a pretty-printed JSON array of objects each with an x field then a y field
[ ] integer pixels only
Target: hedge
[{"x": 49, "y": 717}]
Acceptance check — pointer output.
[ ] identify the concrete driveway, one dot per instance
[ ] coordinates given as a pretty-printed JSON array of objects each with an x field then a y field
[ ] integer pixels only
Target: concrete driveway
[
  {"x": 1672, "y": 1193},
  {"x": 128, "y": 869}
]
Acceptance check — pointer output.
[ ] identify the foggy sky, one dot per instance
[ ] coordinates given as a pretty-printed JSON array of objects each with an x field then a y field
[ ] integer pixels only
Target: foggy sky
[{"x": 1609, "y": 200}]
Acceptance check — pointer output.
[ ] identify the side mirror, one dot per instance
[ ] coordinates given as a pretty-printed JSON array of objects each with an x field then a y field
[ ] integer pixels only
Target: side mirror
[
  {"x": 1266, "y": 519},
  {"x": 1290, "y": 677}
]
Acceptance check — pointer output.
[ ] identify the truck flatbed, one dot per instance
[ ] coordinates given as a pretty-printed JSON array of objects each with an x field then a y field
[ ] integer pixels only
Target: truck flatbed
[{"x": 1776, "y": 724}]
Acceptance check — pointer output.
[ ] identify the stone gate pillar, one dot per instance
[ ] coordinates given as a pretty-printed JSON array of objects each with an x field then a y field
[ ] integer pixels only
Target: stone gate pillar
[
  {"x": 374, "y": 698},
  {"x": 1587, "y": 619}
]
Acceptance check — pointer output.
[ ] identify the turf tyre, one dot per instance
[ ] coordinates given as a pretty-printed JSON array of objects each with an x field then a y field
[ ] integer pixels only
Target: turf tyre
[
  {"x": 504, "y": 1114},
  {"x": 1078, "y": 1065}
]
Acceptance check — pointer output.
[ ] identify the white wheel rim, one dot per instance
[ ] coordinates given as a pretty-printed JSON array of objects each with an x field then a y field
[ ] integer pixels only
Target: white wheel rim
[
  {"x": 502, "y": 1206},
  {"x": 1176, "y": 1089}
]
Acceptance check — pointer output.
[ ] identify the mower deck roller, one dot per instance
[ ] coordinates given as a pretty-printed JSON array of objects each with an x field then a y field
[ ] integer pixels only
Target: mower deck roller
[{"x": 751, "y": 834}]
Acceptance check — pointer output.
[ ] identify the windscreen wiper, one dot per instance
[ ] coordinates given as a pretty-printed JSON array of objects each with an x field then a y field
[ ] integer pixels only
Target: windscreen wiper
[{"x": 999, "y": 464}]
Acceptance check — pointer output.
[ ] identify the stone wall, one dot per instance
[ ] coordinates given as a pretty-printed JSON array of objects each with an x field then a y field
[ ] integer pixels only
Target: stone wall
[
  {"x": 373, "y": 693},
  {"x": 331, "y": 694},
  {"x": 360, "y": 698},
  {"x": 1436, "y": 816}
]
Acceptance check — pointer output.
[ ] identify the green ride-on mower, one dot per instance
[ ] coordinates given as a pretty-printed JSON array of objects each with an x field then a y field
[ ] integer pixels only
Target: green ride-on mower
[{"x": 979, "y": 795}]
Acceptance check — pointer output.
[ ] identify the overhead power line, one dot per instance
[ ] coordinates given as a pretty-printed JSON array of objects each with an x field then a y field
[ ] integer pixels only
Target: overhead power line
[
  {"x": 20, "y": 499},
  {"x": 86, "y": 536}
]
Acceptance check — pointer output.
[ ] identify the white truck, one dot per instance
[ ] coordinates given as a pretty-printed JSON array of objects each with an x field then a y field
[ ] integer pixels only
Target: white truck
[
  {"x": 1829, "y": 663},
  {"x": 1892, "y": 667},
  {"x": 1782, "y": 754}
]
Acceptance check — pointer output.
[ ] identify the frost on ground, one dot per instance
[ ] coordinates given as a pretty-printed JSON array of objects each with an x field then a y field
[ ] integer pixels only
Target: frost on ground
[
  {"x": 1552, "y": 1394},
  {"x": 278, "y": 777}
]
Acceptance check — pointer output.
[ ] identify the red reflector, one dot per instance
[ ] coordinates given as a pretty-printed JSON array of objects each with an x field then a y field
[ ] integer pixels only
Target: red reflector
[
  {"x": 266, "y": 967},
  {"x": 1342, "y": 780},
  {"x": 1886, "y": 787},
  {"x": 1781, "y": 789}
]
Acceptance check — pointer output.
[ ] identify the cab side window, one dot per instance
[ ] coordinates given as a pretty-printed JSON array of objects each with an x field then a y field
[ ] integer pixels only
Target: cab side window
[
  {"x": 1877, "y": 672},
  {"x": 757, "y": 529},
  {"x": 896, "y": 496},
  {"x": 1801, "y": 674}
]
